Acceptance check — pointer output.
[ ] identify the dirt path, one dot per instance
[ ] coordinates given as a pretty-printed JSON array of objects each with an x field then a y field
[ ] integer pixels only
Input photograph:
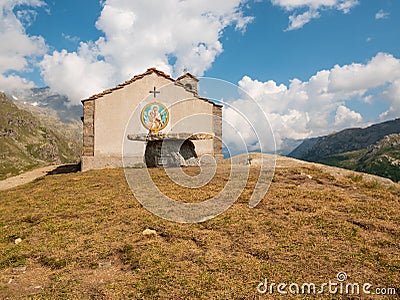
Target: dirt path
[{"x": 25, "y": 177}]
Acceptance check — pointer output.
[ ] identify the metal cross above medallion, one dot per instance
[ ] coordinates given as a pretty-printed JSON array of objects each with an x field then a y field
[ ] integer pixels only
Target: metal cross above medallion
[{"x": 154, "y": 92}]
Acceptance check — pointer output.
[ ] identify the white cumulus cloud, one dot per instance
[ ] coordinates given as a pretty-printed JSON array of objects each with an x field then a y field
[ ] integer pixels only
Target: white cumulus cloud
[
  {"x": 298, "y": 21},
  {"x": 171, "y": 35},
  {"x": 346, "y": 117},
  {"x": 359, "y": 77},
  {"x": 382, "y": 15},
  {"x": 392, "y": 96},
  {"x": 304, "y": 11},
  {"x": 76, "y": 74},
  {"x": 17, "y": 48},
  {"x": 318, "y": 106}
]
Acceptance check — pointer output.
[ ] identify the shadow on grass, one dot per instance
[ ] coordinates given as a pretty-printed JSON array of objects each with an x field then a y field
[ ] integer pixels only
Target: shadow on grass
[{"x": 65, "y": 169}]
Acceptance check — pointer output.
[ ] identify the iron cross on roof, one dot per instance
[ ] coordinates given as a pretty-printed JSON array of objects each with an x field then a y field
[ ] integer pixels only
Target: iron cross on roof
[{"x": 154, "y": 92}]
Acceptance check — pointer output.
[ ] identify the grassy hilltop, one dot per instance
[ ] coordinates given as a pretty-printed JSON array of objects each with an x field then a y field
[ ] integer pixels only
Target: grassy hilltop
[{"x": 82, "y": 238}]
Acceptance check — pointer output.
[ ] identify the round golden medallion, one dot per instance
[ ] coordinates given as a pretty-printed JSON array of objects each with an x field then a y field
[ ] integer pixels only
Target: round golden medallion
[{"x": 155, "y": 116}]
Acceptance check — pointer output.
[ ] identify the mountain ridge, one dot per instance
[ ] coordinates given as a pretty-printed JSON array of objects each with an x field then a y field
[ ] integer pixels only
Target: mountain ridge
[
  {"x": 344, "y": 141},
  {"x": 28, "y": 141},
  {"x": 353, "y": 149},
  {"x": 49, "y": 101}
]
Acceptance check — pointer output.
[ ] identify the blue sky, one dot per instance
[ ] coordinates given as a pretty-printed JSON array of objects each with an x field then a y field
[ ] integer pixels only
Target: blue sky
[
  {"x": 315, "y": 66},
  {"x": 334, "y": 38}
]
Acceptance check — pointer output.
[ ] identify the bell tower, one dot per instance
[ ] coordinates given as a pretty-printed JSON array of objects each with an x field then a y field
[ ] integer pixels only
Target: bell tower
[{"x": 189, "y": 82}]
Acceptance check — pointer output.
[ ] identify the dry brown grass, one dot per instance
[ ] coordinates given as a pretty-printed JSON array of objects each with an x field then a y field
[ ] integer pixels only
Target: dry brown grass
[{"x": 305, "y": 230}]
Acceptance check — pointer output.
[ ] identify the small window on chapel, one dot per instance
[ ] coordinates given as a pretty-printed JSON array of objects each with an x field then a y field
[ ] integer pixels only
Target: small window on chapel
[{"x": 188, "y": 86}]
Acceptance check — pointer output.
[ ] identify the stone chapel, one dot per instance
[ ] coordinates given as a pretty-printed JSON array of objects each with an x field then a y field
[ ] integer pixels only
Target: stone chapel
[{"x": 150, "y": 120}]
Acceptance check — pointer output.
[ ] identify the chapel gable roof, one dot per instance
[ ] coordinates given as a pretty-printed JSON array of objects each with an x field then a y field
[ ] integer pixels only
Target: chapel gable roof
[
  {"x": 140, "y": 76},
  {"x": 133, "y": 79}
]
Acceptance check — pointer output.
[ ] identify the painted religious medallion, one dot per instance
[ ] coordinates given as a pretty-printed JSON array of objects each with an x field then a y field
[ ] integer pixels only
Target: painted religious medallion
[{"x": 155, "y": 116}]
